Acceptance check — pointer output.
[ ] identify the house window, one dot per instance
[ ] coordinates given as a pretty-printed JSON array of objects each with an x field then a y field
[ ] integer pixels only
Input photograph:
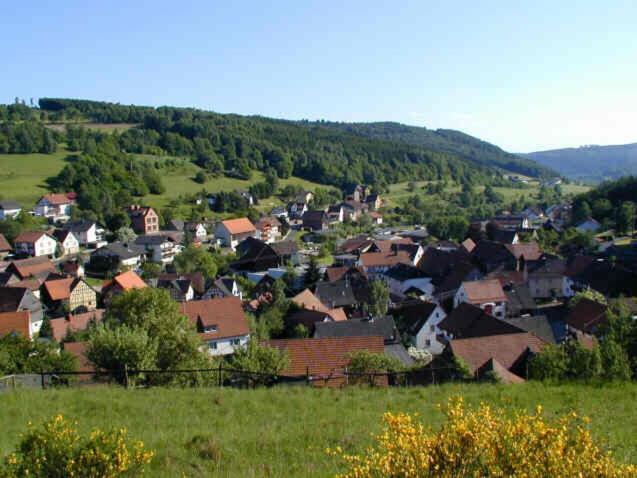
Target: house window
[
  {"x": 211, "y": 328},
  {"x": 235, "y": 342},
  {"x": 432, "y": 328},
  {"x": 212, "y": 345},
  {"x": 427, "y": 343}
]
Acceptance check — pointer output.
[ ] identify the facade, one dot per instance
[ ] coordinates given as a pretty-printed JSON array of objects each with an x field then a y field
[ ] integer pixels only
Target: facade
[
  {"x": 144, "y": 220},
  {"x": 35, "y": 244},
  {"x": 197, "y": 229},
  {"x": 5, "y": 247},
  {"x": 68, "y": 242},
  {"x": 9, "y": 209},
  {"x": 159, "y": 248},
  {"x": 56, "y": 206},
  {"x": 268, "y": 228},
  {"x": 233, "y": 231},
  {"x": 87, "y": 233},
  {"x": 71, "y": 292},
  {"x": 119, "y": 254},
  {"x": 486, "y": 294},
  {"x": 421, "y": 321}
]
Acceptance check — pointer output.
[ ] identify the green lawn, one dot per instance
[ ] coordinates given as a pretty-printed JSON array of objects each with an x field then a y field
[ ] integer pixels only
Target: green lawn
[
  {"x": 22, "y": 176},
  {"x": 284, "y": 432}
]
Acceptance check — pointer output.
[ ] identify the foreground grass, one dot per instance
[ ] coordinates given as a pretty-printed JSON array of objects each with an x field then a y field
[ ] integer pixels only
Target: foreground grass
[{"x": 284, "y": 432}]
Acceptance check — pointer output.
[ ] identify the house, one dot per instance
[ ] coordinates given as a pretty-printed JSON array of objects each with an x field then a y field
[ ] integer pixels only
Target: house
[
  {"x": 381, "y": 326},
  {"x": 589, "y": 225},
  {"x": 72, "y": 268},
  {"x": 62, "y": 326},
  {"x": 336, "y": 294},
  {"x": 121, "y": 283},
  {"x": 323, "y": 362},
  {"x": 232, "y": 231},
  {"x": 305, "y": 196},
  {"x": 180, "y": 288},
  {"x": 16, "y": 323},
  {"x": 376, "y": 217},
  {"x": 35, "y": 244},
  {"x": 197, "y": 230},
  {"x": 373, "y": 202},
  {"x": 17, "y": 299},
  {"x": 511, "y": 222},
  {"x": 288, "y": 251},
  {"x": 223, "y": 287},
  {"x": 144, "y": 220},
  {"x": 315, "y": 221},
  {"x": 268, "y": 229},
  {"x": 538, "y": 325},
  {"x": 35, "y": 267},
  {"x": 255, "y": 255},
  {"x": 486, "y": 294},
  {"x": 298, "y": 208},
  {"x": 548, "y": 280},
  {"x": 5, "y": 247},
  {"x": 307, "y": 301},
  {"x": 353, "y": 210},
  {"x": 221, "y": 323},
  {"x": 335, "y": 214},
  {"x": 67, "y": 240},
  {"x": 55, "y": 206},
  {"x": 519, "y": 300},
  {"x": 524, "y": 253},
  {"x": 468, "y": 320},
  {"x": 402, "y": 278},
  {"x": 160, "y": 248},
  {"x": 382, "y": 255},
  {"x": 503, "y": 236},
  {"x": 279, "y": 212},
  {"x": 357, "y": 193},
  {"x": 418, "y": 322},
  {"x": 504, "y": 356},
  {"x": 88, "y": 233},
  {"x": 490, "y": 256},
  {"x": 117, "y": 255},
  {"x": 9, "y": 209},
  {"x": 586, "y": 316},
  {"x": 70, "y": 293}
]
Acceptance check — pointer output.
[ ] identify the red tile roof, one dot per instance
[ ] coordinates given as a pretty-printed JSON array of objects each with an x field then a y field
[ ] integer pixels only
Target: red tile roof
[
  {"x": 29, "y": 237},
  {"x": 507, "y": 349},
  {"x": 18, "y": 322},
  {"x": 59, "y": 289},
  {"x": 481, "y": 291},
  {"x": 529, "y": 250},
  {"x": 4, "y": 244},
  {"x": 225, "y": 313},
  {"x": 33, "y": 266},
  {"x": 322, "y": 357},
  {"x": 385, "y": 259},
  {"x": 239, "y": 226},
  {"x": 127, "y": 281},
  {"x": 307, "y": 300},
  {"x": 56, "y": 199},
  {"x": 73, "y": 323}
]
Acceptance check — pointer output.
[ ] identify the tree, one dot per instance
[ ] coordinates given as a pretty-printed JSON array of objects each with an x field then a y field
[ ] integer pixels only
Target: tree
[
  {"x": 378, "y": 298},
  {"x": 615, "y": 360},
  {"x": 264, "y": 362},
  {"x": 150, "y": 270},
  {"x": 21, "y": 355},
  {"x": 581, "y": 212},
  {"x": 125, "y": 235},
  {"x": 626, "y": 217},
  {"x": 195, "y": 259},
  {"x": 590, "y": 294},
  {"x": 312, "y": 274}
]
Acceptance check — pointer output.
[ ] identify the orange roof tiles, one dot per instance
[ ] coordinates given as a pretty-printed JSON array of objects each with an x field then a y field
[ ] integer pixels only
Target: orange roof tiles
[
  {"x": 4, "y": 244},
  {"x": 481, "y": 291},
  {"x": 129, "y": 280},
  {"x": 62, "y": 326},
  {"x": 307, "y": 300},
  {"x": 225, "y": 313},
  {"x": 15, "y": 322},
  {"x": 57, "y": 199},
  {"x": 239, "y": 226},
  {"x": 385, "y": 259},
  {"x": 59, "y": 289}
]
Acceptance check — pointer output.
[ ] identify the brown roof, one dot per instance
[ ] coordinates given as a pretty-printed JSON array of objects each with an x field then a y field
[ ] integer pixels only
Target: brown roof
[
  {"x": 388, "y": 259},
  {"x": 586, "y": 315},
  {"x": 324, "y": 356},
  {"x": 59, "y": 289},
  {"x": 4, "y": 244},
  {"x": 29, "y": 237},
  {"x": 307, "y": 300},
  {"x": 31, "y": 284},
  {"x": 507, "y": 349},
  {"x": 18, "y": 322},
  {"x": 335, "y": 273},
  {"x": 529, "y": 250},
  {"x": 225, "y": 313},
  {"x": 500, "y": 372},
  {"x": 481, "y": 291},
  {"x": 467, "y": 320},
  {"x": 508, "y": 277},
  {"x": 75, "y": 322},
  {"x": 239, "y": 226},
  {"x": 78, "y": 350},
  {"x": 57, "y": 199},
  {"x": 127, "y": 281},
  {"x": 355, "y": 244},
  {"x": 33, "y": 267}
]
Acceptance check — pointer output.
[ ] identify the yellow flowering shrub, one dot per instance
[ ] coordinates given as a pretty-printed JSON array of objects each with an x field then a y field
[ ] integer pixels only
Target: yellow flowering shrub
[
  {"x": 484, "y": 442},
  {"x": 58, "y": 450}
]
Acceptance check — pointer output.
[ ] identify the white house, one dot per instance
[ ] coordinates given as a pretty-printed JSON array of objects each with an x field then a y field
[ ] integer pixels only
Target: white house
[
  {"x": 87, "y": 233},
  {"x": 486, "y": 294},
  {"x": 55, "y": 206},
  {"x": 421, "y": 322},
  {"x": 197, "y": 229},
  {"x": 159, "y": 247},
  {"x": 68, "y": 241},
  {"x": 232, "y": 231},
  {"x": 35, "y": 243},
  {"x": 9, "y": 209}
]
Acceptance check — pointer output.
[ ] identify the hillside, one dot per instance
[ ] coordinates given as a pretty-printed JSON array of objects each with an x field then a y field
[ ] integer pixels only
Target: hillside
[
  {"x": 448, "y": 141},
  {"x": 285, "y": 431},
  {"x": 590, "y": 163}
]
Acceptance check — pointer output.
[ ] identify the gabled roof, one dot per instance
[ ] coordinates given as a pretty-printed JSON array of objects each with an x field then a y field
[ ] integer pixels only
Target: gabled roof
[
  {"x": 62, "y": 234},
  {"x": 285, "y": 248},
  {"x": 335, "y": 294},
  {"x": 307, "y": 300},
  {"x": 121, "y": 250},
  {"x": 267, "y": 221},
  {"x": 467, "y": 320},
  {"x": 335, "y": 273},
  {"x": 62, "y": 326},
  {"x": 402, "y": 272},
  {"x": 385, "y": 259},
  {"x": 59, "y": 289},
  {"x": 481, "y": 291},
  {"x": 82, "y": 225},
  {"x": 4, "y": 244},
  {"x": 504, "y": 236},
  {"x": 507, "y": 349},
  {"x": 11, "y": 298},
  {"x": 29, "y": 237},
  {"x": 143, "y": 211},
  {"x": 414, "y": 314},
  {"x": 196, "y": 279},
  {"x": 383, "y": 326},
  {"x": 15, "y": 322},
  {"x": 322, "y": 357},
  {"x": 500, "y": 372},
  {"x": 127, "y": 281},
  {"x": 587, "y": 315},
  {"x": 529, "y": 250},
  {"x": 241, "y": 225},
  {"x": 57, "y": 199},
  {"x": 34, "y": 266},
  {"x": 225, "y": 314},
  {"x": 356, "y": 244},
  {"x": 9, "y": 205}
]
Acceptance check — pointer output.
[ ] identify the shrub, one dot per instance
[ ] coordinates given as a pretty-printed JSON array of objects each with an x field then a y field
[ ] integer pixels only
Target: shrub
[
  {"x": 484, "y": 443},
  {"x": 58, "y": 450}
]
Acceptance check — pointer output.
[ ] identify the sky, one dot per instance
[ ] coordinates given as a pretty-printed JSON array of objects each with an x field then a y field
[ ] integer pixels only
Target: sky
[{"x": 526, "y": 76}]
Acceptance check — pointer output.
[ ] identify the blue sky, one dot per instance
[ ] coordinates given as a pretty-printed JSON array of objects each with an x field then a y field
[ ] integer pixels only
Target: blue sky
[{"x": 523, "y": 75}]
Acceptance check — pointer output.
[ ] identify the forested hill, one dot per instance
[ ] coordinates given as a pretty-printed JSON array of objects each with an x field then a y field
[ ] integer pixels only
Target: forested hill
[
  {"x": 591, "y": 163},
  {"x": 446, "y": 140}
]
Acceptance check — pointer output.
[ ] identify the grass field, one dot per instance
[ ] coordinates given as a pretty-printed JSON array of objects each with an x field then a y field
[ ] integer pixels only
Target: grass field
[{"x": 284, "y": 432}]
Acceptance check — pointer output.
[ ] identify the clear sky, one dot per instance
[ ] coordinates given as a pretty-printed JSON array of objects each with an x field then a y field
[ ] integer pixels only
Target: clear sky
[{"x": 523, "y": 75}]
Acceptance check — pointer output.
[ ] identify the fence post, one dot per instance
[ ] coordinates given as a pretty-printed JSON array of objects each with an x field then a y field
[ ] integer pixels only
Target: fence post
[
  {"x": 125, "y": 375},
  {"x": 42, "y": 380},
  {"x": 220, "y": 379},
  {"x": 307, "y": 375}
]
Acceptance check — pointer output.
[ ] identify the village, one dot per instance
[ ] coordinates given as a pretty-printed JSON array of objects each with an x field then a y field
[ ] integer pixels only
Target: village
[{"x": 490, "y": 302}]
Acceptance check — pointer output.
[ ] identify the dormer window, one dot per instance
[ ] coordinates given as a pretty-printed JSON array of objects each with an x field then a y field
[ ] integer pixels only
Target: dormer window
[{"x": 210, "y": 328}]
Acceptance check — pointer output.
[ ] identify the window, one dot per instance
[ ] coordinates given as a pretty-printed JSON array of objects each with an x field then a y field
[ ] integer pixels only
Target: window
[
  {"x": 235, "y": 342},
  {"x": 432, "y": 328},
  {"x": 427, "y": 343},
  {"x": 212, "y": 345}
]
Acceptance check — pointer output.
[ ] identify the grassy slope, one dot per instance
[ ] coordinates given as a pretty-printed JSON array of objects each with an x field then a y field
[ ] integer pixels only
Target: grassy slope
[{"x": 283, "y": 432}]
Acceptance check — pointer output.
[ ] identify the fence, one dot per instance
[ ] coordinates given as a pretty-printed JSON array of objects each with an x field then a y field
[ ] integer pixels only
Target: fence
[{"x": 229, "y": 377}]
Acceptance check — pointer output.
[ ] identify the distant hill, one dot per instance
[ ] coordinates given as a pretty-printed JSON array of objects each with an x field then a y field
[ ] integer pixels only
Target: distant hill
[
  {"x": 446, "y": 140},
  {"x": 590, "y": 163}
]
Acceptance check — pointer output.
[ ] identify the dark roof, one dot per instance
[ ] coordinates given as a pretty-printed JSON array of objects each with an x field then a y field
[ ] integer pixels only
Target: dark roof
[
  {"x": 538, "y": 325},
  {"x": 79, "y": 226},
  {"x": 413, "y": 315},
  {"x": 9, "y": 204},
  {"x": 502, "y": 235},
  {"x": 122, "y": 250},
  {"x": 519, "y": 298},
  {"x": 335, "y": 294},
  {"x": 182, "y": 285},
  {"x": 586, "y": 315},
  {"x": 196, "y": 279},
  {"x": 153, "y": 239},
  {"x": 255, "y": 254},
  {"x": 608, "y": 278},
  {"x": 398, "y": 351},
  {"x": 402, "y": 272},
  {"x": 467, "y": 320},
  {"x": 490, "y": 255},
  {"x": 306, "y": 317},
  {"x": 383, "y": 326},
  {"x": 437, "y": 264},
  {"x": 11, "y": 298},
  {"x": 285, "y": 248}
]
